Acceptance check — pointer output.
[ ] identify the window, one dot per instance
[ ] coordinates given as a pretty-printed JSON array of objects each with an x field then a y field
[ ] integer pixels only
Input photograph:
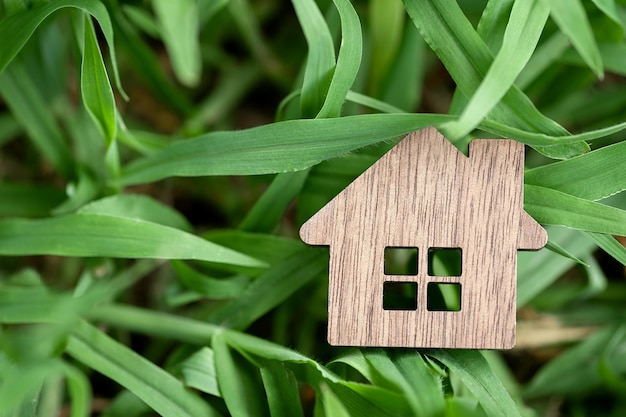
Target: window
[
  {"x": 400, "y": 260},
  {"x": 443, "y": 296},
  {"x": 445, "y": 262},
  {"x": 440, "y": 296},
  {"x": 399, "y": 295}
]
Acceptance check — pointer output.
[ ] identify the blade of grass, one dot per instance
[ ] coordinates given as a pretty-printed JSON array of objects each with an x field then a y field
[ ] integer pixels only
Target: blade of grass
[
  {"x": 610, "y": 245},
  {"x": 538, "y": 270},
  {"x": 493, "y": 23},
  {"x": 477, "y": 376},
  {"x": 385, "y": 34},
  {"x": 136, "y": 206},
  {"x": 549, "y": 206},
  {"x": 320, "y": 61},
  {"x": 198, "y": 372},
  {"x": 271, "y": 288},
  {"x": 467, "y": 59},
  {"x": 95, "y": 87},
  {"x": 157, "y": 388},
  {"x": 520, "y": 39},
  {"x": 282, "y": 390},
  {"x": 110, "y": 236},
  {"x": 179, "y": 25},
  {"x": 18, "y": 28},
  {"x": 592, "y": 176},
  {"x": 238, "y": 381},
  {"x": 79, "y": 389},
  {"x": 294, "y": 145},
  {"x": 146, "y": 64},
  {"x": 572, "y": 19},
  {"x": 409, "y": 373},
  {"x": 348, "y": 61},
  {"x": 269, "y": 209},
  {"x": 608, "y": 7},
  {"x": 212, "y": 288},
  {"x": 32, "y": 111},
  {"x": 545, "y": 55}
]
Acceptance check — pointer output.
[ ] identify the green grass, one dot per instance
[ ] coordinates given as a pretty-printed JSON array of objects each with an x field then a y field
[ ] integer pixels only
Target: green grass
[{"x": 158, "y": 157}]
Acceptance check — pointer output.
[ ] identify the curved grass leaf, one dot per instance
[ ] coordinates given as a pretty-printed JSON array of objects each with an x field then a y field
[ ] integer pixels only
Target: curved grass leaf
[
  {"x": 79, "y": 389},
  {"x": 95, "y": 87},
  {"x": 386, "y": 24},
  {"x": 136, "y": 206},
  {"x": 332, "y": 405},
  {"x": 477, "y": 376},
  {"x": 348, "y": 61},
  {"x": 609, "y": 8},
  {"x": 238, "y": 381},
  {"x": 287, "y": 146},
  {"x": 282, "y": 390},
  {"x": 198, "y": 372},
  {"x": 544, "y": 56},
  {"x": 271, "y": 288},
  {"x": 493, "y": 22},
  {"x": 549, "y": 206},
  {"x": 610, "y": 245},
  {"x": 269, "y": 209},
  {"x": 409, "y": 372},
  {"x": 520, "y": 39},
  {"x": 593, "y": 176},
  {"x": 157, "y": 388},
  {"x": 178, "y": 21},
  {"x": 571, "y": 18},
  {"x": 298, "y": 144},
  {"x": 467, "y": 58},
  {"x": 320, "y": 61},
  {"x": 31, "y": 109},
  {"x": 212, "y": 288},
  {"x": 110, "y": 236},
  {"x": 16, "y": 29},
  {"x": 581, "y": 360}
]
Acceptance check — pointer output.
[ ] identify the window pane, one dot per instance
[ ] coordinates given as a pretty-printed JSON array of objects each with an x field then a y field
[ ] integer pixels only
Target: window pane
[
  {"x": 400, "y": 260},
  {"x": 443, "y": 296},
  {"x": 445, "y": 262},
  {"x": 399, "y": 295}
]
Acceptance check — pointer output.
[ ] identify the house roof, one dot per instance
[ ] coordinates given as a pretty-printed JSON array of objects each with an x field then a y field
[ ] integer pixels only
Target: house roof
[{"x": 425, "y": 181}]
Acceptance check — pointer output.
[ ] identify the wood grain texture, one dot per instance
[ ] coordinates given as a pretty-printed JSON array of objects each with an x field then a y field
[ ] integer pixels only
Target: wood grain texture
[{"x": 424, "y": 193}]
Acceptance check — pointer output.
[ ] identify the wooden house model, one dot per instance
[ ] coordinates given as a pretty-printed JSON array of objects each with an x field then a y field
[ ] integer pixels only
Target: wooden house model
[{"x": 424, "y": 199}]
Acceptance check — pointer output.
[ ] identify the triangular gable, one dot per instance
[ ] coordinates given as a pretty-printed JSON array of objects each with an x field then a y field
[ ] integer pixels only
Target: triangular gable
[{"x": 482, "y": 156}]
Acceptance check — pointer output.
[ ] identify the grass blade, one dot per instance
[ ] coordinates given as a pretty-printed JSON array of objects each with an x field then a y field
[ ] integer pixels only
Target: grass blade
[
  {"x": 592, "y": 176},
  {"x": 141, "y": 207},
  {"x": 520, "y": 39},
  {"x": 348, "y": 61},
  {"x": 269, "y": 209},
  {"x": 549, "y": 206},
  {"x": 271, "y": 288},
  {"x": 571, "y": 18},
  {"x": 110, "y": 236},
  {"x": 320, "y": 61},
  {"x": 95, "y": 87},
  {"x": 239, "y": 383},
  {"x": 476, "y": 374},
  {"x": 17, "y": 29},
  {"x": 157, "y": 388},
  {"x": 282, "y": 390},
  {"x": 179, "y": 25},
  {"x": 610, "y": 245},
  {"x": 31, "y": 110}
]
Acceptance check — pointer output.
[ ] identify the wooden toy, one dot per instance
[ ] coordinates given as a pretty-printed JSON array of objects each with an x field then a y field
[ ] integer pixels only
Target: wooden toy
[{"x": 424, "y": 201}]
